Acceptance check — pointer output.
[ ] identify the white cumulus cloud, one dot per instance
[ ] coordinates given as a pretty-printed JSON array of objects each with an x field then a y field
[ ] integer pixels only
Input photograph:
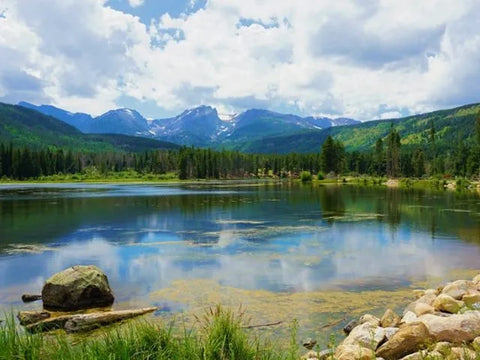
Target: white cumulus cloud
[
  {"x": 345, "y": 58},
  {"x": 135, "y": 3}
]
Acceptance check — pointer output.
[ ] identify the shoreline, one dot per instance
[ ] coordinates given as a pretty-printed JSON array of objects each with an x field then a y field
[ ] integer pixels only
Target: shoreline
[
  {"x": 370, "y": 337},
  {"x": 431, "y": 182},
  {"x": 442, "y": 323}
]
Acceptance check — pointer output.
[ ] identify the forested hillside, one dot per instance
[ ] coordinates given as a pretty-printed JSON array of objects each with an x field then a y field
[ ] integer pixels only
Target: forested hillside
[
  {"x": 28, "y": 128},
  {"x": 451, "y": 126}
]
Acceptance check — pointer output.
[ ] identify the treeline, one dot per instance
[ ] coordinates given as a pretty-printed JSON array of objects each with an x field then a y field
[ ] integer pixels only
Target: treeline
[
  {"x": 391, "y": 160},
  {"x": 21, "y": 163},
  {"x": 387, "y": 159}
]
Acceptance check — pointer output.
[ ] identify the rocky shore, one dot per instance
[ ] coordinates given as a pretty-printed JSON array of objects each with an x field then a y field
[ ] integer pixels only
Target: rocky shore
[{"x": 443, "y": 323}]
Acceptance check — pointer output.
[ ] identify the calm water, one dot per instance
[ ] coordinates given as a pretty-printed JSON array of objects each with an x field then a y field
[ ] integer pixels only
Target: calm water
[{"x": 280, "y": 238}]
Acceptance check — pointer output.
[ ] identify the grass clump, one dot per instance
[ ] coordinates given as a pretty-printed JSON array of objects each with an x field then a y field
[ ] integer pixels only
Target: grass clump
[
  {"x": 305, "y": 176},
  {"x": 221, "y": 336},
  {"x": 462, "y": 184}
]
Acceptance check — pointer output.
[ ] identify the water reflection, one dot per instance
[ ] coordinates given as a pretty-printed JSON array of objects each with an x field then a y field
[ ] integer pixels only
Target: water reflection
[{"x": 279, "y": 238}]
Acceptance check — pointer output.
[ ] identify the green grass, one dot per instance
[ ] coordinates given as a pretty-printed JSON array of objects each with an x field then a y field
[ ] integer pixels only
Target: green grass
[
  {"x": 98, "y": 177},
  {"x": 305, "y": 176},
  {"x": 220, "y": 336}
]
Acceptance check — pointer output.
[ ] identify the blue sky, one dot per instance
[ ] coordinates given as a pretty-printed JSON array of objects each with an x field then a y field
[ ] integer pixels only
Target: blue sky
[
  {"x": 150, "y": 10},
  {"x": 366, "y": 60}
]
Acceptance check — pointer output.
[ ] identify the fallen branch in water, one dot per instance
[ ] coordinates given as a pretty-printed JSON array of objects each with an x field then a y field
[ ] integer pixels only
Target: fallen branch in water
[
  {"x": 333, "y": 323},
  {"x": 262, "y": 325}
]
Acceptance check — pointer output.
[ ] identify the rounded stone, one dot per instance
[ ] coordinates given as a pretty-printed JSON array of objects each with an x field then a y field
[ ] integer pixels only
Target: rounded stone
[{"x": 76, "y": 288}]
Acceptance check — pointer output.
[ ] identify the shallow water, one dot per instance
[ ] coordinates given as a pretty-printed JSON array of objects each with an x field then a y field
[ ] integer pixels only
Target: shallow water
[{"x": 187, "y": 246}]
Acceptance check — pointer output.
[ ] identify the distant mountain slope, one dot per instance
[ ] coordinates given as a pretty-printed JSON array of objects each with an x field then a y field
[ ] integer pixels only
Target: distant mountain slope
[
  {"x": 131, "y": 143},
  {"x": 325, "y": 122},
  {"x": 120, "y": 121},
  {"x": 26, "y": 127},
  {"x": 450, "y": 126},
  {"x": 79, "y": 120}
]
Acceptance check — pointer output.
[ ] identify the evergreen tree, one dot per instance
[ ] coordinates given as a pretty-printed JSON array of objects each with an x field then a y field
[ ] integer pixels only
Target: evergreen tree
[
  {"x": 379, "y": 160},
  {"x": 332, "y": 156},
  {"x": 434, "y": 167},
  {"x": 477, "y": 127},
  {"x": 393, "y": 153},
  {"x": 418, "y": 163}
]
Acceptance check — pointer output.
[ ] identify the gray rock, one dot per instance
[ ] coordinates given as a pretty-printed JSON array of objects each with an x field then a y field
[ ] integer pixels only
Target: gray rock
[
  {"x": 471, "y": 298},
  {"x": 317, "y": 355},
  {"x": 457, "y": 288},
  {"x": 350, "y": 326},
  {"x": 353, "y": 352},
  {"x": 447, "y": 303},
  {"x": 309, "y": 343},
  {"x": 366, "y": 335},
  {"x": 408, "y": 318},
  {"x": 389, "y": 319},
  {"x": 76, "y": 288},
  {"x": 456, "y": 328},
  {"x": 390, "y": 331},
  {"x": 368, "y": 318},
  {"x": 425, "y": 299},
  {"x": 407, "y": 340}
]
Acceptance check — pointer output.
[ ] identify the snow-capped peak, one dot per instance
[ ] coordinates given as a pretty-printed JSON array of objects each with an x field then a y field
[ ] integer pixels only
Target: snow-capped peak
[{"x": 226, "y": 117}]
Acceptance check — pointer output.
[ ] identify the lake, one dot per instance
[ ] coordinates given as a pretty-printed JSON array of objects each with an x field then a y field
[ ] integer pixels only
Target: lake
[{"x": 281, "y": 250}]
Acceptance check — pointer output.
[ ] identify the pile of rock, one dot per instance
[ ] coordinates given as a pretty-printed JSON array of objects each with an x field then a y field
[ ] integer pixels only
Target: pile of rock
[{"x": 442, "y": 323}]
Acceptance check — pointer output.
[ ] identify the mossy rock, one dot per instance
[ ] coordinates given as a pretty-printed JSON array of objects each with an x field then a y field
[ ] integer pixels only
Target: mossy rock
[{"x": 76, "y": 288}]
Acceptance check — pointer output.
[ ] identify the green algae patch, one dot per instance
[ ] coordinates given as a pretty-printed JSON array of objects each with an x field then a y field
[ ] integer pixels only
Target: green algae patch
[
  {"x": 452, "y": 275},
  {"x": 28, "y": 249},
  {"x": 318, "y": 313}
]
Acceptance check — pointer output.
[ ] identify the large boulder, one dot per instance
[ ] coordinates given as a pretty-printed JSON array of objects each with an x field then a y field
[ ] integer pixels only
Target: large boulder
[
  {"x": 76, "y": 288},
  {"x": 409, "y": 339},
  {"x": 368, "y": 318},
  {"x": 447, "y": 303},
  {"x": 471, "y": 298},
  {"x": 457, "y": 288},
  {"x": 422, "y": 308},
  {"x": 366, "y": 335},
  {"x": 456, "y": 328},
  {"x": 354, "y": 352},
  {"x": 389, "y": 319},
  {"x": 476, "y": 280},
  {"x": 425, "y": 299}
]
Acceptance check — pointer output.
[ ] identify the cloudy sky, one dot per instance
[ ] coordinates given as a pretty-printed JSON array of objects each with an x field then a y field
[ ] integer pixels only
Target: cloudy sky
[{"x": 362, "y": 59}]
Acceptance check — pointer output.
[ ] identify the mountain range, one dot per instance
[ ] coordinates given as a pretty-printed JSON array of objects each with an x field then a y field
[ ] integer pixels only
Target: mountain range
[
  {"x": 254, "y": 131},
  {"x": 200, "y": 126}
]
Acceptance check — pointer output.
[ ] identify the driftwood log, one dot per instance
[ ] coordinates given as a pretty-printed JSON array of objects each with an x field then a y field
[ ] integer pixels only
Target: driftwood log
[
  {"x": 31, "y": 317},
  {"x": 52, "y": 323},
  {"x": 26, "y": 298},
  {"x": 83, "y": 322}
]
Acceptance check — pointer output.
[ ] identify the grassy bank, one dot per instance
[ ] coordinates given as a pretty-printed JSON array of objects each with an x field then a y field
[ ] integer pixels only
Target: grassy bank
[
  {"x": 432, "y": 183},
  {"x": 97, "y": 177},
  {"x": 220, "y": 335}
]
